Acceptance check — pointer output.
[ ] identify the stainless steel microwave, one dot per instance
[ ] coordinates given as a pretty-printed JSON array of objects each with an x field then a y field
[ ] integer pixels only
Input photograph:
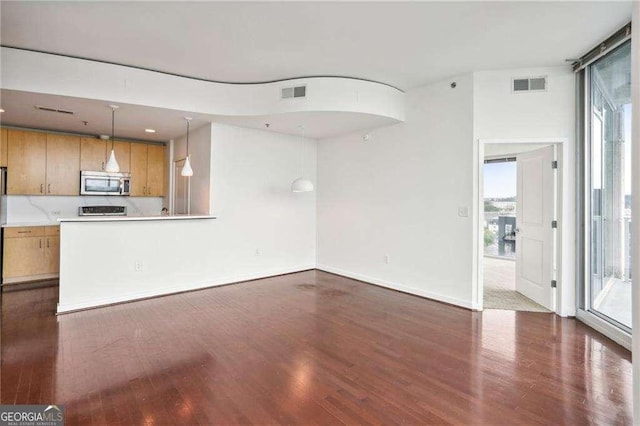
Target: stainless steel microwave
[{"x": 104, "y": 183}]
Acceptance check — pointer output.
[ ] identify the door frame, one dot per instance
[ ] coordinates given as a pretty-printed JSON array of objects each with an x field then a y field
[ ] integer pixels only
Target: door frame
[{"x": 565, "y": 251}]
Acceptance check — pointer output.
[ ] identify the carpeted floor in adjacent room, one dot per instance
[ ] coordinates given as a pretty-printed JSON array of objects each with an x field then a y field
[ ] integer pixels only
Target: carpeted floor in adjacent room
[{"x": 499, "y": 287}]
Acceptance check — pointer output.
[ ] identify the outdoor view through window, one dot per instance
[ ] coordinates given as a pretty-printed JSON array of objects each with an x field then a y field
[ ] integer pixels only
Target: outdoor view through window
[
  {"x": 500, "y": 209},
  {"x": 610, "y": 187}
]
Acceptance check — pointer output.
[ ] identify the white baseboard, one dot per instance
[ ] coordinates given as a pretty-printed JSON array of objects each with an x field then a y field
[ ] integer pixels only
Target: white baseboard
[
  {"x": 178, "y": 288},
  {"x": 400, "y": 287}
]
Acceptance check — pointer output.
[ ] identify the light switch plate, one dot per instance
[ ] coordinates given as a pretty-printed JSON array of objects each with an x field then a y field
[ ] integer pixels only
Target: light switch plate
[{"x": 463, "y": 211}]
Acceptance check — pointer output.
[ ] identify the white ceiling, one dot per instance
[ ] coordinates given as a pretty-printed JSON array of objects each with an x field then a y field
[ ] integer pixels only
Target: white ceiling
[
  {"x": 131, "y": 120},
  {"x": 402, "y": 44}
]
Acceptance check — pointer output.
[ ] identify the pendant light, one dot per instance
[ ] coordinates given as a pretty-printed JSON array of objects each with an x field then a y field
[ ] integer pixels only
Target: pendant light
[
  {"x": 186, "y": 169},
  {"x": 112, "y": 165},
  {"x": 301, "y": 184}
]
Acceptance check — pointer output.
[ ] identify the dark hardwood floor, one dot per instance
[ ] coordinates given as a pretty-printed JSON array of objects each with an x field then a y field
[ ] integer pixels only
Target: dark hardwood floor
[{"x": 308, "y": 348}]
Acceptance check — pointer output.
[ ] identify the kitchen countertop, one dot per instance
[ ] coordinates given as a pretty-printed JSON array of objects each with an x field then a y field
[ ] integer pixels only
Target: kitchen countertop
[
  {"x": 133, "y": 218},
  {"x": 106, "y": 219},
  {"x": 21, "y": 224}
]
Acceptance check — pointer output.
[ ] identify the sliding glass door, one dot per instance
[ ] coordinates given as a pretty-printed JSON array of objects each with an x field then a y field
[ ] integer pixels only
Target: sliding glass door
[{"x": 608, "y": 183}]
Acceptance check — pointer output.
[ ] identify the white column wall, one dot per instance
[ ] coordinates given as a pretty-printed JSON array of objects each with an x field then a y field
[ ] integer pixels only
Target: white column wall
[{"x": 398, "y": 194}]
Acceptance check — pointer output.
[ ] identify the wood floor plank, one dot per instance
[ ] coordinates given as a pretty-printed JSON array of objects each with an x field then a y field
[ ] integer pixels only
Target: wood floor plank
[{"x": 308, "y": 348}]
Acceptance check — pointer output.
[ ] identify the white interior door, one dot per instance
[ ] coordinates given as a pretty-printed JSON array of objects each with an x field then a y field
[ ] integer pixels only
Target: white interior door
[{"x": 534, "y": 214}]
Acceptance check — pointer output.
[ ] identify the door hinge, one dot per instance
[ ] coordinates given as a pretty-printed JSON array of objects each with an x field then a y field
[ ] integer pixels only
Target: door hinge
[
  {"x": 554, "y": 284},
  {"x": 554, "y": 164},
  {"x": 554, "y": 223}
]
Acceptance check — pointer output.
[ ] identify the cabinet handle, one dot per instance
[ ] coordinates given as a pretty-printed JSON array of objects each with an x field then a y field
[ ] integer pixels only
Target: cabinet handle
[
  {"x": 103, "y": 165},
  {"x": 144, "y": 190},
  {"x": 49, "y": 188},
  {"x": 24, "y": 232},
  {"x": 42, "y": 188},
  {"x": 149, "y": 191},
  {"x": 47, "y": 243},
  {"x": 40, "y": 242}
]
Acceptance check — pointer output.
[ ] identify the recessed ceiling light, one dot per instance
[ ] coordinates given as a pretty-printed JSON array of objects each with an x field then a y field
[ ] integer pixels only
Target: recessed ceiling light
[
  {"x": 1, "y": 110},
  {"x": 150, "y": 130}
]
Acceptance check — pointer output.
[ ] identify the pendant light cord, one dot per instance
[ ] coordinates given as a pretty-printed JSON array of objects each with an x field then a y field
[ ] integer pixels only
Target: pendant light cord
[
  {"x": 188, "y": 122},
  {"x": 113, "y": 126}
]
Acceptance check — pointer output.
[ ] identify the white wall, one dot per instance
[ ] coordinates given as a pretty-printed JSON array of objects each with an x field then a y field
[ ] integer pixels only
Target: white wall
[
  {"x": 501, "y": 114},
  {"x": 200, "y": 150},
  {"x": 262, "y": 229},
  {"x": 496, "y": 150},
  {"x": 398, "y": 195}
]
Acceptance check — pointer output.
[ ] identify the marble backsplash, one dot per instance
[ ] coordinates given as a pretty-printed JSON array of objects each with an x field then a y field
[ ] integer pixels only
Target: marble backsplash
[{"x": 47, "y": 209}]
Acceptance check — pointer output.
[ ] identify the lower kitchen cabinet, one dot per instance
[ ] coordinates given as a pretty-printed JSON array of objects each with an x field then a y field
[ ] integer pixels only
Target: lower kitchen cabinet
[{"x": 30, "y": 253}]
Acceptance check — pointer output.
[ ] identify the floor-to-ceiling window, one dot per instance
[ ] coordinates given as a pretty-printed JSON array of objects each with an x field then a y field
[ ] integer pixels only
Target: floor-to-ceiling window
[{"x": 606, "y": 176}]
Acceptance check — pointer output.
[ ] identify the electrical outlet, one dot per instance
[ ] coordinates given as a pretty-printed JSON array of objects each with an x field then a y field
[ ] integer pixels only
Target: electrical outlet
[
  {"x": 56, "y": 212},
  {"x": 257, "y": 252},
  {"x": 138, "y": 266},
  {"x": 386, "y": 259}
]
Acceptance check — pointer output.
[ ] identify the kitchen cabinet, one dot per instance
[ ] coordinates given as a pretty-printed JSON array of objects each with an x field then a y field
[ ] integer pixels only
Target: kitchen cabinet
[
  {"x": 26, "y": 162},
  {"x": 63, "y": 165},
  {"x": 52, "y": 250},
  {"x": 155, "y": 170},
  {"x": 3, "y": 147},
  {"x": 94, "y": 154},
  {"x": 147, "y": 170},
  {"x": 30, "y": 253},
  {"x": 42, "y": 163}
]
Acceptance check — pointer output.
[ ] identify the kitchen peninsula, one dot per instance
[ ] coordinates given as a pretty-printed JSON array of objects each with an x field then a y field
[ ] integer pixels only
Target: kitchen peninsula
[{"x": 111, "y": 259}]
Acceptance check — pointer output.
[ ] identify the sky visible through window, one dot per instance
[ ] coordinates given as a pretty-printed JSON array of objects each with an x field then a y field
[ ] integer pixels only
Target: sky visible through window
[{"x": 500, "y": 180}]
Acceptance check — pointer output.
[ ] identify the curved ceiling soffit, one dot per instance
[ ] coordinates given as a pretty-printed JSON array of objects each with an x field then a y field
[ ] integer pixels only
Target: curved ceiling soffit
[{"x": 42, "y": 72}]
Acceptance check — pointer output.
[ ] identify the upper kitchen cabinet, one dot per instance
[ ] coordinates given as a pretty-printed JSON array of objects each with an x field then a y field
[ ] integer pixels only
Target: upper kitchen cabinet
[
  {"x": 42, "y": 164},
  {"x": 63, "y": 164},
  {"x": 123, "y": 155},
  {"x": 26, "y": 162},
  {"x": 94, "y": 154},
  {"x": 155, "y": 170},
  {"x": 3, "y": 147},
  {"x": 138, "y": 170},
  {"x": 147, "y": 170}
]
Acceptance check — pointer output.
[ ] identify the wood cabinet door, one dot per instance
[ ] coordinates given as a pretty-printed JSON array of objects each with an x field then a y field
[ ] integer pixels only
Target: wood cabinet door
[
  {"x": 138, "y": 169},
  {"x": 123, "y": 155},
  {"x": 63, "y": 164},
  {"x": 52, "y": 255},
  {"x": 93, "y": 154},
  {"x": 26, "y": 162},
  {"x": 23, "y": 257},
  {"x": 155, "y": 170},
  {"x": 3, "y": 147}
]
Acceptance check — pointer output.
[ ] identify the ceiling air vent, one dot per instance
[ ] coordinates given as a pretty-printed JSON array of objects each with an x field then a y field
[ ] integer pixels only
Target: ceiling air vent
[
  {"x": 293, "y": 92},
  {"x": 48, "y": 109},
  {"x": 529, "y": 84}
]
